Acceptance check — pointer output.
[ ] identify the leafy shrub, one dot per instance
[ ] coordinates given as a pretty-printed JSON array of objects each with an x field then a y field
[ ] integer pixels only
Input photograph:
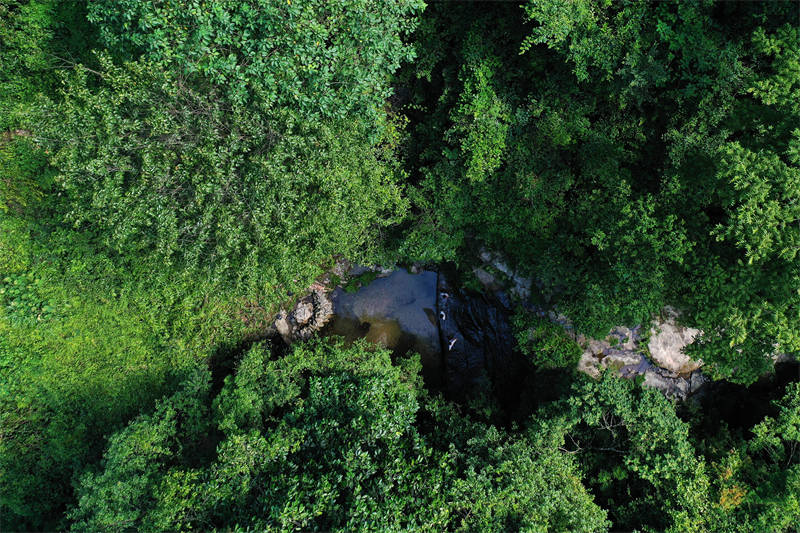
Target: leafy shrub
[
  {"x": 21, "y": 300},
  {"x": 546, "y": 344}
]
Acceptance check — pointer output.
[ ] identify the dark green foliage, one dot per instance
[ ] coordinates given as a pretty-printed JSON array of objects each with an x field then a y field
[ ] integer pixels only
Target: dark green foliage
[
  {"x": 36, "y": 38},
  {"x": 753, "y": 468},
  {"x": 323, "y": 59},
  {"x": 177, "y": 194},
  {"x": 23, "y": 173},
  {"x": 170, "y": 171},
  {"x": 137, "y": 455},
  {"x": 84, "y": 347},
  {"x": 627, "y": 154},
  {"x": 636, "y": 455},
  {"x": 769, "y": 470},
  {"x": 360, "y": 281},
  {"x": 521, "y": 483},
  {"x": 545, "y": 343},
  {"x": 327, "y": 438}
]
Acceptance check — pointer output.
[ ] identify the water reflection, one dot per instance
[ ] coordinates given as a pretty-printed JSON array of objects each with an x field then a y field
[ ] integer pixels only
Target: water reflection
[{"x": 397, "y": 312}]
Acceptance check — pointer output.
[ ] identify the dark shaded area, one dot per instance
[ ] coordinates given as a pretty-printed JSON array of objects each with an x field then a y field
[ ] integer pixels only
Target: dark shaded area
[
  {"x": 478, "y": 344},
  {"x": 739, "y": 407},
  {"x": 224, "y": 360}
]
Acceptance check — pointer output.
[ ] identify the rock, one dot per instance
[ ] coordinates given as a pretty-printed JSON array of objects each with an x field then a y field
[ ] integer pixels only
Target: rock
[
  {"x": 486, "y": 279},
  {"x": 667, "y": 341},
  {"x": 303, "y": 313},
  {"x": 518, "y": 286},
  {"x": 341, "y": 267},
  {"x": 619, "y": 349},
  {"x": 618, "y": 359},
  {"x": 357, "y": 270},
  {"x": 783, "y": 358},
  {"x": 308, "y": 316},
  {"x": 670, "y": 384},
  {"x": 283, "y": 328},
  {"x": 697, "y": 381},
  {"x": 625, "y": 338},
  {"x": 589, "y": 364}
]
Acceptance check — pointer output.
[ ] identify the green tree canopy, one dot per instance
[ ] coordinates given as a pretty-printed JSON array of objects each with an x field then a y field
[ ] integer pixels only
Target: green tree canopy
[
  {"x": 323, "y": 59},
  {"x": 626, "y": 154},
  {"x": 327, "y": 438}
]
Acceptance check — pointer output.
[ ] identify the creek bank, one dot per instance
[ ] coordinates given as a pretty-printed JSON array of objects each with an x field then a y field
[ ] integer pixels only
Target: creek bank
[
  {"x": 464, "y": 337},
  {"x": 661, "y": 360}
]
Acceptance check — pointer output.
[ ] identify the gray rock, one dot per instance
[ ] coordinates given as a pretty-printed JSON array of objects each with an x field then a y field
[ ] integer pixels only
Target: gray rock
[
  {"x": 519, "y": 286},
  {"x": 284, "y": 329},
  {"x": 621, "y": 351},
  {"x": 589, "y": 364},
  {"x": 667, "y": 342},
  {"x": 784, "y": 358},
  {"x": 309, "y": 315},
  {"x": 670, "y": 384},
  {"x": 697, "y": 381},
  {"x": 478, "y": 344},
  {"x": 619, "y": 359},
  {"x": 303, "y": 313}
]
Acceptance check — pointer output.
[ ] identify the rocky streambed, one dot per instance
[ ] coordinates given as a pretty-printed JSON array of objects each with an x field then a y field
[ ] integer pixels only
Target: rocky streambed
[{"x": 464, "y": 337}]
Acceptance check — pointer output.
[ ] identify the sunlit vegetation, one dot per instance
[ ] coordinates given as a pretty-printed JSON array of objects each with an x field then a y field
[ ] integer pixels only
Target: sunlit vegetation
[{"x": 171, "y": 172}]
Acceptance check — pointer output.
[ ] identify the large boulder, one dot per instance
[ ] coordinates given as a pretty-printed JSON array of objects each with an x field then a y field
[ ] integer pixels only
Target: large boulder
[{"x": 667, "y": 342}]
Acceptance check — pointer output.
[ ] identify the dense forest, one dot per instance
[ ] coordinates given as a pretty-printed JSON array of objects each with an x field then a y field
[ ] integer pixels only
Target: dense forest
[{"x": 174, "y": 173}]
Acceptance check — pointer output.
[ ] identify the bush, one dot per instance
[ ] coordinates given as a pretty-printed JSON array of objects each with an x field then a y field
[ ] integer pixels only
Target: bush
[{"x": 545, "y": 343}]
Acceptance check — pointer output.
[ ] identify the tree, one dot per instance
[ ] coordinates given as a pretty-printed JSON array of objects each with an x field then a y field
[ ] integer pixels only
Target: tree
[
  {"x": 545, "y": 343},
  {"x": 161, "y": 170},
  {"x": 635, "y": 453},
  {"x": 136, "y": 456},
  {"x": 324, "y": 59},
  {"x": 626, "y": 154},
  {"x": 329, "y": 437}
]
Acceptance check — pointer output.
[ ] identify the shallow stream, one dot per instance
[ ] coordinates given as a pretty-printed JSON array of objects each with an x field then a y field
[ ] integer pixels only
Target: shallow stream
[
  {"x": 397, "y": 311},
  {"x": 464, "y": 338}
]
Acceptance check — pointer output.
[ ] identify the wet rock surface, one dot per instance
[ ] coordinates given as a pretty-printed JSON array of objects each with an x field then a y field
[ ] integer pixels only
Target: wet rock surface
[
  {"x": 477, "y": 343},
  {"x": 669, "y": 369}
]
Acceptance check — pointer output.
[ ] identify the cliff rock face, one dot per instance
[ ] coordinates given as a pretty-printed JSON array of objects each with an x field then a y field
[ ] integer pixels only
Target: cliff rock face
[
  {"x": 477, "y": 343},
  {"x": 465, "y": 337}
]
